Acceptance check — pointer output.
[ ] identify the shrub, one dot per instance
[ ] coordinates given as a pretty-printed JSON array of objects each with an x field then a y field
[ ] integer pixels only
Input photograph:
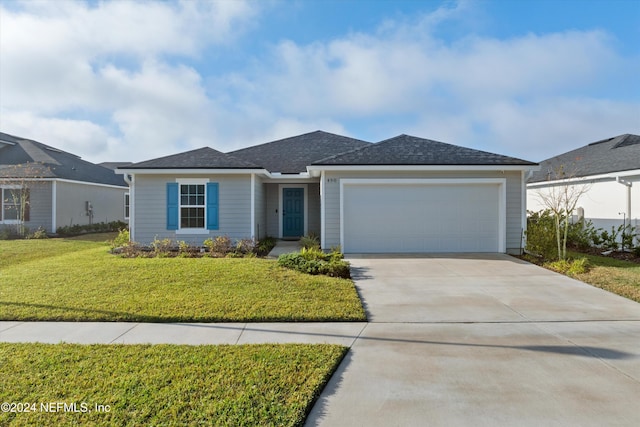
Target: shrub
[
  {"x": 220, "y": 246},
  {"x": 122, "y": 239},
  {"x": 314, "y": 261},
  {"x": 609, "y": 240},
  {"x": 310, "y": 241},
  {"x": 244, "y": 246},
  {"x": 98, "y": 227},
  {"x": 579, "y": 266},
  {"x": 581, "y": 235},
  {"x": 40, "y": 233},
  {"x": 627, "y": 235},
  {"x": 162, "y": 248},
  {"x": 187, "y": 250},
  {"x": 541, "y": 234},
  {"x": 264, "y": 246},
  {"x": 570, "y": 267},
  {"x": 561, "y": 266}
]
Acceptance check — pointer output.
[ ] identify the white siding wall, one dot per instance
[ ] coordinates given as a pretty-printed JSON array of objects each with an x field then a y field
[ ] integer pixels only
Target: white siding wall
[
  {"x": 514, "y": 187},
  {"x": 603, "y": 203},
  {"x": 151, "y": 209},
  {"x": 71, "y": 198}
]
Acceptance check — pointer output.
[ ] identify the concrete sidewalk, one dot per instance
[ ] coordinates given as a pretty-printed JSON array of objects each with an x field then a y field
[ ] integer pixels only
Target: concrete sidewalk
[{"x": 180, "y": 333}]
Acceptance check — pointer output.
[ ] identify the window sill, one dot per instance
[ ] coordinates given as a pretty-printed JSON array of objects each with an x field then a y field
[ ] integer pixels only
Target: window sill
[{"x": 192, "y": 231}]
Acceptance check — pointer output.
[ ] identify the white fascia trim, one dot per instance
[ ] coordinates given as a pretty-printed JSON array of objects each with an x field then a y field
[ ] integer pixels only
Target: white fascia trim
[
  {"x": 187, "y": 181},
  {"x": 582, "y": 179},
  {"x": 181, "y": 172},
  {"x": 280, "y": 175},
  {"x": 316, "y": 170},
  {"x": 289, "y": 178},
  {"x": 119, "y": 187},
  {"x": 281, "y": 207},
  {"x": 500, "y": 182}
]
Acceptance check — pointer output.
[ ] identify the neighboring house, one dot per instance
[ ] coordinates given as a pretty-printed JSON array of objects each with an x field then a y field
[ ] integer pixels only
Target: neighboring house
[
  {"x": 405, "y": 194},
  {"x": 57, "y": 188},
  {"x": 609, "y": 170}
]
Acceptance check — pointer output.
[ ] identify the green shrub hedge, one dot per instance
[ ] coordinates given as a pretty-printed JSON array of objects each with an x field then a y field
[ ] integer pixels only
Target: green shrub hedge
[{"x": 315, "y": 261}]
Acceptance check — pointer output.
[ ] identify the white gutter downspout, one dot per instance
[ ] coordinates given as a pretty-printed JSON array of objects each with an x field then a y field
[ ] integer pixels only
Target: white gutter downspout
[
  {"x": 130, "y": 180},
  {"x": 526, "y": 178},
  {"x": 627, "y": 184}
]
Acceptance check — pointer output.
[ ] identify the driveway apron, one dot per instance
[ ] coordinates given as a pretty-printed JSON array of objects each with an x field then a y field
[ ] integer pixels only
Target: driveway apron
[{"x": 484, "y": 340}]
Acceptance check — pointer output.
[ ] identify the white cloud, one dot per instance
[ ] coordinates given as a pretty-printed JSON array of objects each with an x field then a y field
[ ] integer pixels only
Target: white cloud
[
  {"x": 515, "y": 95},
  {"x": 61, "y": 59},
  {"x": 110, "y": 82}
]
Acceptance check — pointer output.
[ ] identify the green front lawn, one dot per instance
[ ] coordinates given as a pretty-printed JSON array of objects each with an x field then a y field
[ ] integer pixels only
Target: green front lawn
[
  {"x": 78, "y": 280},
  {"x": 613, "y": 275},
  {"x": 169, "y": 385}
]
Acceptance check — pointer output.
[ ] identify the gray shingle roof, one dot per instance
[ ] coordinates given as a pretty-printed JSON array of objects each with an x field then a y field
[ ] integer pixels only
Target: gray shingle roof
[
  {"x": 617, "y": 154},
  {"x": 293, "y": 155},
  {"x": 410, "y": 150},
  {"x": 202, "y": 158},
  {"x": 27, "y": 159},
  {"x": 114, "y": 165}
]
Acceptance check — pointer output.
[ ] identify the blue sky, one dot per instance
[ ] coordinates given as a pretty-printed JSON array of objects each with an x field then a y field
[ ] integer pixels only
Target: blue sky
[{"x": 116, "y": 81}]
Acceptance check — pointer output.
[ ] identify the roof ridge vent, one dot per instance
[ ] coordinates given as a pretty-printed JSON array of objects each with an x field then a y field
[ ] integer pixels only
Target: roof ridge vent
[{"x": 602, "y": 141}]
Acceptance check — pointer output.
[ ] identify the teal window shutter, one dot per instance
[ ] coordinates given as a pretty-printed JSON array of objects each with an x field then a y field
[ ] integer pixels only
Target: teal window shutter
[
  {"x": 212, "y": 206},
  {"x": 172, "y": 205}
]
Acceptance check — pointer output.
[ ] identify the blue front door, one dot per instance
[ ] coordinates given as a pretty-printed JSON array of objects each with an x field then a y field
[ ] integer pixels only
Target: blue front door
[{"x": 292, "y": 212}]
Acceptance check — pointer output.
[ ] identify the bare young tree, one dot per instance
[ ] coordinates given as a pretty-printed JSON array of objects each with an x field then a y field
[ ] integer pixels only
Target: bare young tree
[
  {"x": 561, "y": 199},
  {"x": 16, "y": 183}
]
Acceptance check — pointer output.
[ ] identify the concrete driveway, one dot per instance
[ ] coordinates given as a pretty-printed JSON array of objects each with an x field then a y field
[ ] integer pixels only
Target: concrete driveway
[{"x": 484, "y": 340}]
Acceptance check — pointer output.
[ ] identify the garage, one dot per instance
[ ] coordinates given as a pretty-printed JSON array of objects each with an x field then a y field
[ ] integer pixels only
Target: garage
[{"x": 422, "y": 216}]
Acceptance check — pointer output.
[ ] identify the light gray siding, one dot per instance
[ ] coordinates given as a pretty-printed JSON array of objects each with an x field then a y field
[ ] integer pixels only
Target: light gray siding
[
  {"x": 514, "y": 208},
  {"x": 151, "y": 210},
  {"x": 71, "y": 203},
  {"x": 314, "y": 208},
  {"x": 39, "y": 208},
  {"x": 260, "y": 206},
  {"x": 272, "y": 208}
]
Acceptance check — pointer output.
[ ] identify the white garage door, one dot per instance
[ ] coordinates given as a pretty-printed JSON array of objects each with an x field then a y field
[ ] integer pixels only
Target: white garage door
[{"x": 421, "y": 217}]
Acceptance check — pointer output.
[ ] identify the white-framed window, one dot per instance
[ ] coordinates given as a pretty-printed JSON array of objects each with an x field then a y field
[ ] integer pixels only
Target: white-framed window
[
  {"x": 192, "y": 205},
  {"x": 12, "y": 198}
]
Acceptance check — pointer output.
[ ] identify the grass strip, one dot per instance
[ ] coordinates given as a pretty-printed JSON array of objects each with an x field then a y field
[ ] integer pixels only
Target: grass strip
[
  {"x": 77, "y": 280},
  {"x": 614, "y": 275},
  {"x": 163, "y": 385}
]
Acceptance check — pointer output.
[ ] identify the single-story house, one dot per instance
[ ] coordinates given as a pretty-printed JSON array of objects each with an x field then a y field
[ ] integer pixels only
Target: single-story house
[
  {"x": 42, "y": 186},
  {"x": 608, "y": 171},
  {"x": 404, "y": 194}
]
